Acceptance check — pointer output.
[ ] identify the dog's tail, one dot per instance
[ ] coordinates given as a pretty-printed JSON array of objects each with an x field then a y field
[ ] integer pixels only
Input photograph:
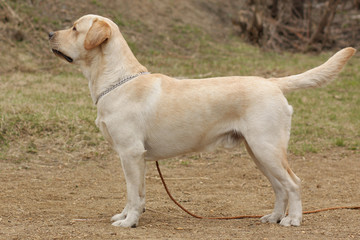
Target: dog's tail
[{"x": 318, "y": 76}]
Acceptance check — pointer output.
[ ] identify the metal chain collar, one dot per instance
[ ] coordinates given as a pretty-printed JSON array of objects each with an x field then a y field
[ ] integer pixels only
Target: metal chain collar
[{"x": 118, "y": 84}]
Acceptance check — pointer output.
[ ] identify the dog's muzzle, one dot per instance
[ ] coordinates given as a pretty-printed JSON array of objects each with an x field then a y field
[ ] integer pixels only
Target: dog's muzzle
[{"x": 57, "y": 52}]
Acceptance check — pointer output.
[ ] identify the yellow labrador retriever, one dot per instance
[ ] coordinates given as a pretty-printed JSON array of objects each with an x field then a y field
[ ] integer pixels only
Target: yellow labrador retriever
[{"x": 149, "y": 117}]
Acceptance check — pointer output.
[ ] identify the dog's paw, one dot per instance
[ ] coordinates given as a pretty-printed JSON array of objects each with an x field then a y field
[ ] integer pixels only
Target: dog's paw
[
  {"x": 291, "y": 221},
  {"x": 272, "y": 218},
  {"x": 126, "y": 223},
  {"x": 126, "y": 218}
]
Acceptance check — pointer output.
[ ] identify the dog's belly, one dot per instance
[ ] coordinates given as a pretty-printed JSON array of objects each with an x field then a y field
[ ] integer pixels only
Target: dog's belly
[{"x": 199, "y": 137}]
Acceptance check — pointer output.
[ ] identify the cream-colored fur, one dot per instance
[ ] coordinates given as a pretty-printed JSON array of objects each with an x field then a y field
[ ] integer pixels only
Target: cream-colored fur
[{"x": 154, "y": 116}]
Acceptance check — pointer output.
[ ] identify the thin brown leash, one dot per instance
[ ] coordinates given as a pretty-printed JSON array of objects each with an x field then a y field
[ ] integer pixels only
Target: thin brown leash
[{"x": 236, "y": 217}]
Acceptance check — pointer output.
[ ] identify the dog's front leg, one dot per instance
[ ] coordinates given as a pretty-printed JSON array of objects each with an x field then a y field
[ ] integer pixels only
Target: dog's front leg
[{"x": 134, "y": 167}]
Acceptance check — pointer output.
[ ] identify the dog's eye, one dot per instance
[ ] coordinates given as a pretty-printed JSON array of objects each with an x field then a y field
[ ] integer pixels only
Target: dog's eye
[{"x": 74, "y": 28}]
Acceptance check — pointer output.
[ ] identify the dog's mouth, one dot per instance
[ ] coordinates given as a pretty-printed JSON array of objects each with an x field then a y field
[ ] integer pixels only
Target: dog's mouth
[{"x": 60, "y": 54}]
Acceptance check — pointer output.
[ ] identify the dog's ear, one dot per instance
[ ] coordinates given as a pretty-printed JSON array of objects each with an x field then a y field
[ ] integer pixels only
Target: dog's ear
[{"x": 99, "y": 32}]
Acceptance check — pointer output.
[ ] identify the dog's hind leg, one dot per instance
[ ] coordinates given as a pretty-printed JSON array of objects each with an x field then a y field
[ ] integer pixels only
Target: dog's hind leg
[
  {"x": 281, "y": 201},
  {"x": 270, "y": 156},
  {"x": 267, "y": 134},
  {"x": 134, "y": 167}
]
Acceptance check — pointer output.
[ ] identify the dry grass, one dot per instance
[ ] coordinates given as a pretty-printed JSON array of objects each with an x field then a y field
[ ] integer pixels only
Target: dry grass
[{"x": 44, "y": 114}]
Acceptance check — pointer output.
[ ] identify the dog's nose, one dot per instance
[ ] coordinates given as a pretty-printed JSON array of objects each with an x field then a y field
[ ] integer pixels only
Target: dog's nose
[{"x": 51, "y": 34}]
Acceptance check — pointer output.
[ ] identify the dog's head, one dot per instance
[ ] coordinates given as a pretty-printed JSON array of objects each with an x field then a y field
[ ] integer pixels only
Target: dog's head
[{"x": 88, "y": 33}]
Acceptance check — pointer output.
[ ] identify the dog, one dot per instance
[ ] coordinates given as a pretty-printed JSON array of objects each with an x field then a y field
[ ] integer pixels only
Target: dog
[{"x": 147, "y": 117}]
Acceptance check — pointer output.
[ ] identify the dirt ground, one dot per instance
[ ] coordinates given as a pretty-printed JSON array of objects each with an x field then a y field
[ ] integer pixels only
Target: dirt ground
[{"x": 47, "y": 199}]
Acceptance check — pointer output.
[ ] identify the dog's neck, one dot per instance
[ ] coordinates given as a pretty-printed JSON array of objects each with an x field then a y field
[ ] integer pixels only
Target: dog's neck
[{"x": 108, "y": 63}]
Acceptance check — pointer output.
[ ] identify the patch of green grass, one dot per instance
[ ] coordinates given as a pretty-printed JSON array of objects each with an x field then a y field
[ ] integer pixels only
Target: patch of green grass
[
  {"x": 340, "y": 142},
  {"x": 31, "y": 148},
  {"x": 195, "y": 157},
  {"x": 118, "y": 19},
  {"x": 320, "y": 115},
  {"x": 56, "y": 111},
  {"x": 185, "y": 163},
  {"x": 309, "y": 148},
  {"x": 96, "y": 3}
]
